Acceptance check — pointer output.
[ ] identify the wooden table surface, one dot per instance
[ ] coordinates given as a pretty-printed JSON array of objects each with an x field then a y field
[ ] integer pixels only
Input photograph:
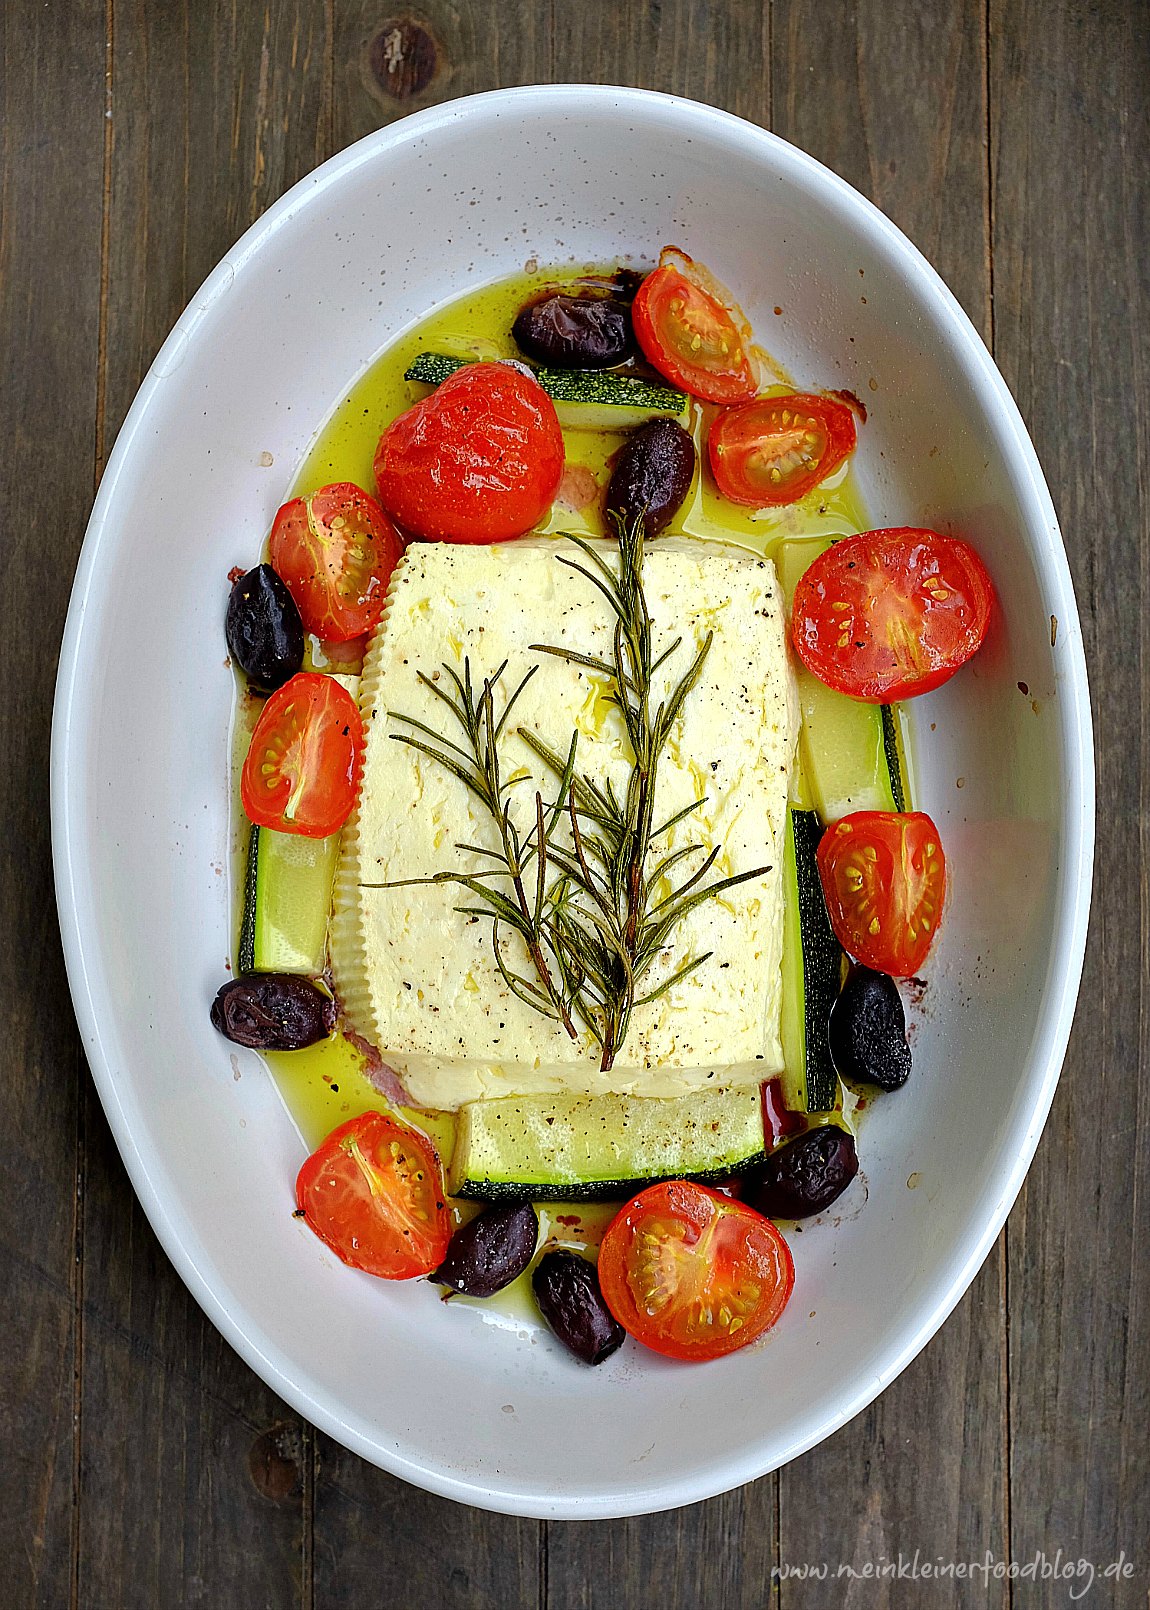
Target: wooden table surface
[{"x": 141, "y": 1463}]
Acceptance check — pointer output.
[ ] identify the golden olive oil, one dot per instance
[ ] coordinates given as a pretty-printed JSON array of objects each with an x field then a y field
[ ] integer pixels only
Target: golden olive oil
[{"x": 327, "y": 1085}]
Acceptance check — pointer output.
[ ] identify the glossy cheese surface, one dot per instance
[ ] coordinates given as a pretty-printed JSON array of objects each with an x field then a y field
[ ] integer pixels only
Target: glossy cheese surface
[{"x": 417, "y": 978}]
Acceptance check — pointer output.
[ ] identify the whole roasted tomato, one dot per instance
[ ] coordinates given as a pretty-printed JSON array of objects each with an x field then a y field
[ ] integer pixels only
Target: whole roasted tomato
[{"x": 477, "y": 461}]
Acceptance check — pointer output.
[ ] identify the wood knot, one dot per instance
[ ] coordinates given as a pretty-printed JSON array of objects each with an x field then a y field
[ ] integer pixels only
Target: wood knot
[
  {"x": 275, "y": 1463},
  {"x": 404, "y": 58}
]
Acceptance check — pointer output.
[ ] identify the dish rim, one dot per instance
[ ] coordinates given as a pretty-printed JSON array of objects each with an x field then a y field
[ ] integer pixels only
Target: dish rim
[{"x": 1074, "y": 875}]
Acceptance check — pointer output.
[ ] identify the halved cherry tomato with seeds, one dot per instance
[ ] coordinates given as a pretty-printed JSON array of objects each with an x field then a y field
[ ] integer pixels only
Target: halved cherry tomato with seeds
[
  {"x": 335, "y": 552},
  {"x": 689, "y": 335},
  {"x": 777, "y": 449},
  {"x": 884, "y": 881},
  {"x": 693, "y": 1274},
  {"x": 890, "y": 614},
  {"x": 301, "y": 771},
  {"x": 373, "y": 1192}
]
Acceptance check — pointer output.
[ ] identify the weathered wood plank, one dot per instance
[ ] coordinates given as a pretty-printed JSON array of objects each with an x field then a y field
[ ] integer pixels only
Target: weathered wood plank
[
  {"x": 392, "y": 59},
  {"x": 195, "y": 1479},
  {"x": 51, "y": 202},
  {"x": 892, "y": 96},
  {"x": 1070, "y": 134},
  {"x": 369, "y": 1528},
  {"x": 217, "y": 109},
  {"x": 713, "y": 1556},
  {"x": 717, "y": 53},
  {"x": 374, "y": 1533},
  {"x": 720, "y": 1553}
]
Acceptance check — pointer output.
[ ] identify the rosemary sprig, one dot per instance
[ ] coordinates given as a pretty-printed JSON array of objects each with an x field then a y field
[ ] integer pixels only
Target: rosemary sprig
[
  {"x": 593, "y": 926},
  {"x": 477, "y": 767}
]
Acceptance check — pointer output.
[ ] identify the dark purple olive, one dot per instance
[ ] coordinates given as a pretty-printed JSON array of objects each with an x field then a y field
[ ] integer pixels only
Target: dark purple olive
[
  {"x": 652, "y": 475},
  {"x": 574, "y": 332},
  {"x": 806, "y": 1175},
  {"x": 491, "y": 1250},
  {"x": 264, "y": 629},
  {"x": 868, "y": 1032},
  {"x": 273, "y": 1012},
  {"x": 566, "y": 1288}
]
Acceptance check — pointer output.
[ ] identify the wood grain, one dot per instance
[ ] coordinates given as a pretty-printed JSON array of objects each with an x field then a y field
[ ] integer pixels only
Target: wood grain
[
  {"x": 720, "y": 1553},
  {"x": 713, "y": 1556},
  {"x": 372, "y": 1529},
  {"x": 717, "y": 52},
  {"x": 1070, "y": 134},
  {"x": 892, "y": 96},
  {"x": 195, "y": 1479},
  {"x": 142, "y": 1463},
  {"x": 51, "y": 190},
  {"x": 392, "y": 59}
]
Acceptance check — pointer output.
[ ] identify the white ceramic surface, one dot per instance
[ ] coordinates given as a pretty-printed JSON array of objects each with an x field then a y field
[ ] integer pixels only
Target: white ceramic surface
[{"x": 482, "y": 1412}]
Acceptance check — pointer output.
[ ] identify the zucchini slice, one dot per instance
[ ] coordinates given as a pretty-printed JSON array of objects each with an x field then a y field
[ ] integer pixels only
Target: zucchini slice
[
  {"x": 851, "y": 751},
  {"x": 287, "y": 902},
  {"x": 812, "y": 973},
  {"x": 602, "y": 1148},
  {"x": 585, "y": 399}
]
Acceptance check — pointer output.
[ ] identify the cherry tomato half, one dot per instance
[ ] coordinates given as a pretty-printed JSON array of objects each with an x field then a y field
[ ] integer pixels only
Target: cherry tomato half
[
  {"x": 373, "y": 1192},
  {"x": 884, "y": 880},
  {"x": 335, "y": 552},
  {"x": 478, "y": 461},
  {"x": 690, "y": 337},
  {"x": 693, "y": 1274},
  {"x": 302, "y": 767},
  {"x": 777, "y": 449},
  {"x": 889, "y": 614}
]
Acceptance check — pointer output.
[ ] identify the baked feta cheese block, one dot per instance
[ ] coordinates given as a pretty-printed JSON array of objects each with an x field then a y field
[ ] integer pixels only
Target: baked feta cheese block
[{"x": 417, "y": 978}]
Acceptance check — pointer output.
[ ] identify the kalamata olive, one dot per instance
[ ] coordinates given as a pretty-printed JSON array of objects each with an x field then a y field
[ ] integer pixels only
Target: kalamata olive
[
  {"x": 566, "y": 1288},
  {"x": 868, "y": 1031},
  {"x": 273, "y": 1012},
  {"x": 491, "y": 1250},
  {"x": 652, "y": 475},
  {"x": 574, "y": 332},
  {"x": 805, "y": 1175},
  {"x": 264, "y": 629}
]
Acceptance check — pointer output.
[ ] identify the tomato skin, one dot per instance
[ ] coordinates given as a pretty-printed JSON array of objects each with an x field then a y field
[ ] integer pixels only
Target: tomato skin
[
  {"x": 309, "y": 737},
  {"x": 373, "y": 1193},
  {"x": 678, "y": 1257},
  {"x": 884, "y": 881},
  {"x": 891, "y": 614},
  {"x": 688, "y": 335},
  {"x": 775, "y": 450},
  {"x": 480, "y": 460},
  {"x": 335, "y": 551}
]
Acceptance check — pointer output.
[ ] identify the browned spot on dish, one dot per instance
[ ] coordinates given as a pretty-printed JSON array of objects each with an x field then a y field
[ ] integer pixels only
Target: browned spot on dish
[{"x": 851, "y": 401}]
